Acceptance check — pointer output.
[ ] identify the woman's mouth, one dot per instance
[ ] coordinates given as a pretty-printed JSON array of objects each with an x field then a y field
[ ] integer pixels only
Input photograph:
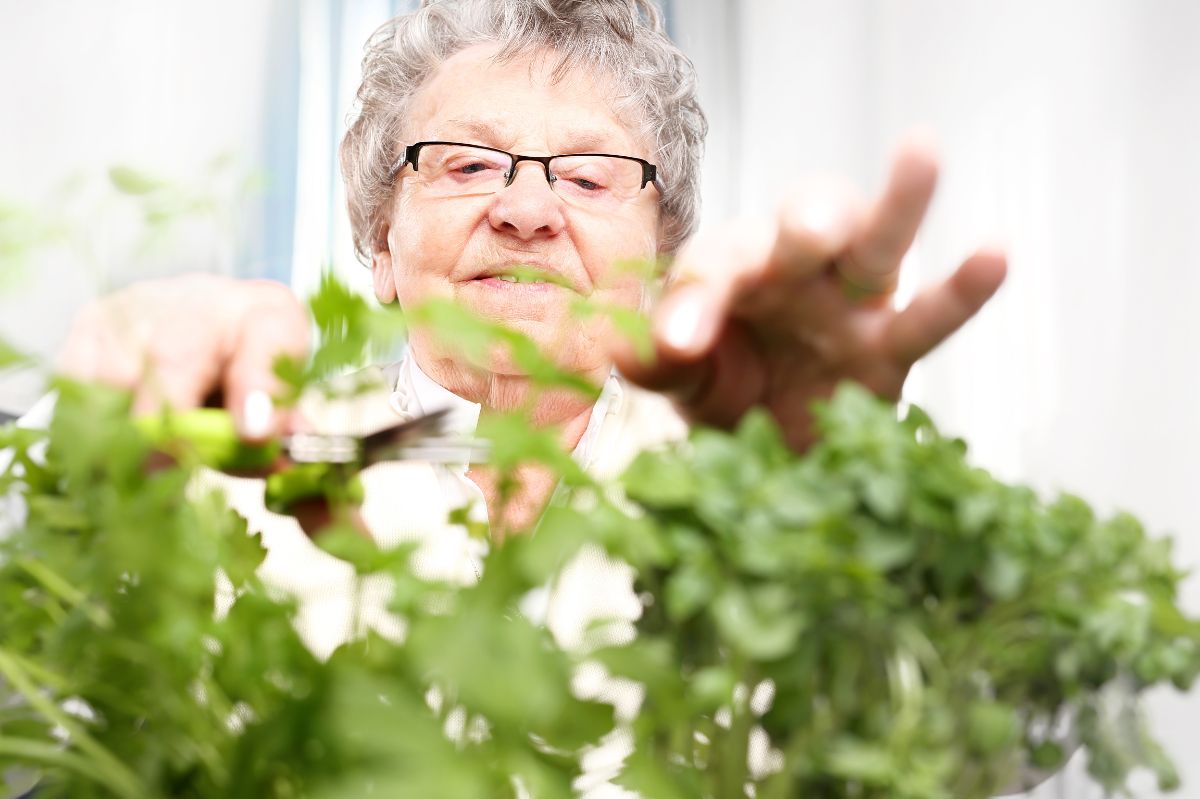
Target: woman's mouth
[
  {"x": 515, "y": 283},
  {"x": 522, "y": 277},
  {"x": 517, "y": 279}
]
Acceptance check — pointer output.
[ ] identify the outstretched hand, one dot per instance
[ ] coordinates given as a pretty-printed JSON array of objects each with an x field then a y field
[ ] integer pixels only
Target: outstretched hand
[{"x": 778, "y": 315}]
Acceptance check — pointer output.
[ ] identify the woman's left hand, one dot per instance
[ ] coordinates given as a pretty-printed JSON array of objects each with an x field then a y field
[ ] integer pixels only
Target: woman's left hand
[{"x": 778, "y": 315}]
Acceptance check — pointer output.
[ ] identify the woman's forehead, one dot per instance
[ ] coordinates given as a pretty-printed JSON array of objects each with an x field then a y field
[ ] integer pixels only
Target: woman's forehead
[
  {"x": 503, "y": 130},
  {"x": 474, "y": 96}
]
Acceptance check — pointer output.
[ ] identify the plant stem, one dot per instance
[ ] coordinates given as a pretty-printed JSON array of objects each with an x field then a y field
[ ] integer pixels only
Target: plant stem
[
  {"x": 40, "y": 753},
  {"x": 61, "y": 588},
  {"x": 735, "y": 751},
  {"x": 106, "y": 768}
]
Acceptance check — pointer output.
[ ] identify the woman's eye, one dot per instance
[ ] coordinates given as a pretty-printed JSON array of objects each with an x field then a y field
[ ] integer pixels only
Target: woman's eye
[
  {"x": 472, "y": 168},
  {"x": 587, "y": 185}
]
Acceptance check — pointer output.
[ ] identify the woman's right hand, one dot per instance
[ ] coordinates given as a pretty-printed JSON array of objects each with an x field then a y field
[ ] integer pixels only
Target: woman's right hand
[{"x": 180, "y": 341}]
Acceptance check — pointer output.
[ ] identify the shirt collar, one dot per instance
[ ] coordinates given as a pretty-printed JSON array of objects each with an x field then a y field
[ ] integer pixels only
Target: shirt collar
[{"x": 417, "y": 394}]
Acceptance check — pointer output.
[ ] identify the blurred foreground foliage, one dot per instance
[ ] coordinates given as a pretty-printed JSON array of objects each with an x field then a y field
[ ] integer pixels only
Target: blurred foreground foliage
[{"x": 874, "y": 618}]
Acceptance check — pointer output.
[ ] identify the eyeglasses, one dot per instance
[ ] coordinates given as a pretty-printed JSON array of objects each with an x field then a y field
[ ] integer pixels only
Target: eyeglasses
[{"x": 596, "y": 180}]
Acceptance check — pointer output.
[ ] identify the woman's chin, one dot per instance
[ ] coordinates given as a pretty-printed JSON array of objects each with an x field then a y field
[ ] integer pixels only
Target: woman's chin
[
  {"x": 501, "y": 359},
  {"x": 556, "y": 343}
]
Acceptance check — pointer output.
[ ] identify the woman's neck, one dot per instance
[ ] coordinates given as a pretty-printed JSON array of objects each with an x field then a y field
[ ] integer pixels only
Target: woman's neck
[
  {"x": 559, "y": 407},
  {"x": 516, "y": 508}
]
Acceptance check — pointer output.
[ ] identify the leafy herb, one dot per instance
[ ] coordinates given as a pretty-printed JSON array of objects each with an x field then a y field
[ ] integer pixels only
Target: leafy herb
[
  {"x": 920, "y": 625},
  {"x": 882, "y": 618}
]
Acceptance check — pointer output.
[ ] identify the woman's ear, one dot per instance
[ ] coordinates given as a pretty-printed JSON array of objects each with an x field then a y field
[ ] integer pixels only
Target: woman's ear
[{"x": 381, "y": 273}]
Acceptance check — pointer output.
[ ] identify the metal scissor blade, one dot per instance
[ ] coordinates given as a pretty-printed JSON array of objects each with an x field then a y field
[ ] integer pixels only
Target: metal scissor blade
[
  {"x": 422, "y": 439},
  {"x": 450, "y": 450},
  {"x": 336, "y": 448},
  {"x": 406, "y": 432},
  {"x": 419, "y": 439}
]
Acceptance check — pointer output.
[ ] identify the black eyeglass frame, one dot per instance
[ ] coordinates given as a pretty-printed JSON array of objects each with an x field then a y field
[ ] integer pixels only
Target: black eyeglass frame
[{"x": 412, "y": 154}]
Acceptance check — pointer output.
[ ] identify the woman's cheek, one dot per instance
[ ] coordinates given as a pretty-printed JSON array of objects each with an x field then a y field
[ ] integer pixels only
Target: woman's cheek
[{"x": 427, "y": 242}]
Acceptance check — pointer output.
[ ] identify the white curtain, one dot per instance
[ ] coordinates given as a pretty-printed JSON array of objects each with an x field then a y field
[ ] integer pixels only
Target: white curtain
[{"x": 332, "y": 36}]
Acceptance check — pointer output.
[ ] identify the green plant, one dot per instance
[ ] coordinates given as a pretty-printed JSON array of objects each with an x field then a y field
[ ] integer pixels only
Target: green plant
[{"x": 885, "y": 619}]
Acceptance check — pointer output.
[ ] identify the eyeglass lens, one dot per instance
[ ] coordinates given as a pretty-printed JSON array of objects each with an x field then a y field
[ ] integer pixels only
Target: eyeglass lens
[{"x": 458, "y": 170}]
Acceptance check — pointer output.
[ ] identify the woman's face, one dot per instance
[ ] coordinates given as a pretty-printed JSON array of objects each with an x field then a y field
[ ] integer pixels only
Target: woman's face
[{"x": 453, "y": 247}]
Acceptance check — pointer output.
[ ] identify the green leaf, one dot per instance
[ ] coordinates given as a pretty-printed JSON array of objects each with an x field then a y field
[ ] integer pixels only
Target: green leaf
[
  {"x": 660, "y": 480},
  {"x": 1004, "y": 576},
  {"x": 129, "y": 180},
  {"x": 689, "y": 589},
  {"x": 992, "y": 727},
  {"x": 558, "y": 538},
  {"x": 885, "y": 495},
  {"x": 475, "y": 339},
  {"x": 659, "y": 779},
  {"x": 1047, "y": 755},
  {"x": 861, "y": 761},
  {"x": 759, "y": 433},
  {"x": 354, "y": 547},
  {"x": 515, "y": 441},
  {"x": 885, "y": 551},
  {"x": 975, "y": 511},
  {"x": 630, "y": 324},
  {"x": 761, "y": 623},
  {"x": 712, "y": 688}
]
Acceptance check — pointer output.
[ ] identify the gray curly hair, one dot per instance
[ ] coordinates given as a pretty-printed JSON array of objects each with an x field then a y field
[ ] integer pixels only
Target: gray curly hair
[{"x": 625, "y": 39}]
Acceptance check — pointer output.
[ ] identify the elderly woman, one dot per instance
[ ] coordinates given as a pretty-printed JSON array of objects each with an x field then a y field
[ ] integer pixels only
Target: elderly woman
[{"x": 497, "y": 137}]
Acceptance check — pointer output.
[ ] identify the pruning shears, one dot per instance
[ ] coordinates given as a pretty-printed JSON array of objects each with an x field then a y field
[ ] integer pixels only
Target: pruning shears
[
  {"x": 304, "y": 465},
  {"x": 208, "y": 436}
]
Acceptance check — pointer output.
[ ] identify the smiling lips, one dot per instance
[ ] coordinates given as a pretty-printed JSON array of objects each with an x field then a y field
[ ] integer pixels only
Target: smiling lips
[
  {"x": 510, "y": 283},
  {"x": 527, "y": 275}
]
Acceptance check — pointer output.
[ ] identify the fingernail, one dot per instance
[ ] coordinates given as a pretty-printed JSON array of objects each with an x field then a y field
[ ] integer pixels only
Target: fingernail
[
  {"x": 258, "y": 412},
  {"x": 680, "y": 328}
]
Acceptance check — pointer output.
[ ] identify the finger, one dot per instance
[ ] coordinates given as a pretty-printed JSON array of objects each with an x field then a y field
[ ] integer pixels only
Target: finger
[
  {"x": 816, "y": 224},
  {"x": 942, "y": 309},
  {"x": 658, "y": 372},
  {"x": 104, "y": 346},
  {"x": 176, "y": 388},
  {"x": 708, "y": 273},
  {"x": 95, "y": 352},
  {"x": 749, "y": 268},
  {"x": 271, "y": 323},
  {"x": 180, "y": 367},
  {"x": 873, "y": 260},
  {"x": 716, "y": 389}
]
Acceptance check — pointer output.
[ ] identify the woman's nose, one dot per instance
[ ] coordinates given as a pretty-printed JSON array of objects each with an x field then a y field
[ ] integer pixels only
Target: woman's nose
[{"x": 527, "y": 207}]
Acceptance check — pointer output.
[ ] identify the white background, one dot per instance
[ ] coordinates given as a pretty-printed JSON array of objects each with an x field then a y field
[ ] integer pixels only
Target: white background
[{"x": 1069, "y": 132}]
